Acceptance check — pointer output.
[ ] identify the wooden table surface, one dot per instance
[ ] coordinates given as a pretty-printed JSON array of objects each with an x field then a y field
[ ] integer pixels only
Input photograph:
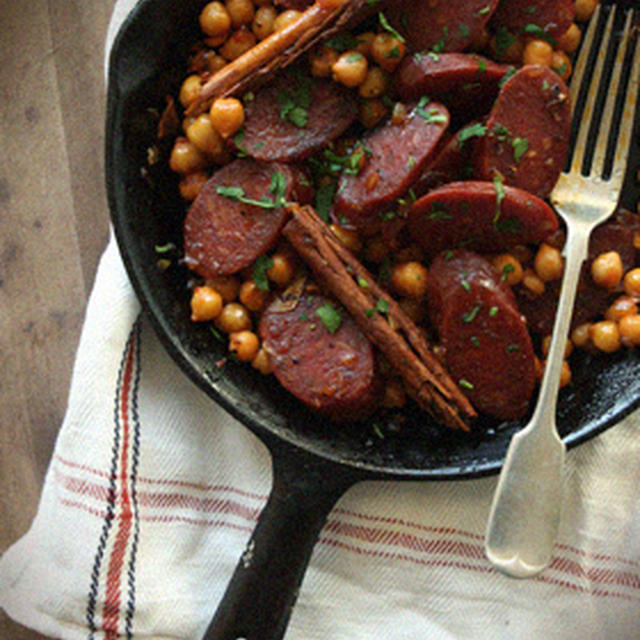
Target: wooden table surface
[{"x": 53, "y": 228}]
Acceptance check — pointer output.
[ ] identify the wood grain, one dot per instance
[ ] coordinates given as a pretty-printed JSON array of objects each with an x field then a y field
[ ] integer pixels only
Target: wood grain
[{"x": 53, "y": 228}]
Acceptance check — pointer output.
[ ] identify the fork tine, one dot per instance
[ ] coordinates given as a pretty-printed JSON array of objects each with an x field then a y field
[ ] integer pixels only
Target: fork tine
[
  {"x": 581, "y": 64},
  {"x": 594, "y": 87},
  {"x": 600, "y": 154},
  {"x": 626, "y": 128}
]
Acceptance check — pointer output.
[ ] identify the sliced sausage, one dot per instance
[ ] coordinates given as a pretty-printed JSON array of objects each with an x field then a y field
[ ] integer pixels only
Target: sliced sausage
[
  {"x": 330, "y": 371},
  {"x": 487, "y": 347},
  {"x": 397, "y": 154},
  {"x": 222, "y": 234},
  {"x": 553, "y": 17},
  {"x": 467, "y": 83},
  {"x": 481, "y": 216},
  {"x": 527, "y": 135},
  {"x": 591, "y": 299},
  {"x": 295, "y": 116},
  {"x": 441, "y": 25}
]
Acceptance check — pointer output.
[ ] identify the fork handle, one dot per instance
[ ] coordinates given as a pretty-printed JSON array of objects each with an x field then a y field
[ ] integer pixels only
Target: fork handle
[
  {"x": 575, "y": 253},
  {"x": 526, "y": 508}
]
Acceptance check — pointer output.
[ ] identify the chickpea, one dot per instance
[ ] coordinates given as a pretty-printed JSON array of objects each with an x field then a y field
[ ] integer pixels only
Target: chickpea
[
  {"x": 606, "y": 270},
  {"x": 570, "y": 40},
  {"x": 565, "y": 375},
  {"x": 509, "y": 267},
  {"x": 387, "y": 51},
  {"x": 206, "y": 304},
  {"x": 364, "y": 43},
  {"x": 281, "y": 273},
  {"x": 565, "y": 372},
  {"x": 513, "y": 53},
  {"x": 350, "y": 69},
  {"x": 399, "y": 113},
  {"x": 375, "y": 83},
  {"x": 262, "y": 362},
  {"x": 187, "y": 122},
  {"x": 203, "y": 136},
  {"x": 348, "y": 238},
  {"x": 394, "y": 394},
  {"x": 209, "y": 60},
  {"x": 226, "y": 286},
  {"x": 190, "y": 90},
  {"x": 240, "y": 11},
  {"x": 244, "y": 345},
  {"x": 561, "y": 64},
  {"x": 546, "y": 343},
  {"x": 263, "y": 22},
  {"x": 285, "y": 19},
  {"x": 621, "y": 307},
  {"x": 215, "y": 19},
  {"x": 227, "y": 116},
  {"x": 370, "y": 112},
  {"x": 580, "y": 336},
  {"x": 548, "y": 263},
  {"x": 538, "y": 52},
  {"x": 605, "y": 336},
  {"x": 632, "y": 283},
  {"x": 585, "y": 9},
  {"x": 240, "y": 42},
  {"x": 409, "y": 279},
  {"x": 252, "y": 297},
  {"x": 533, "y": 282},
  {"x": 186, "y": 158},
  {"x": 629, "y": 328},
  {"x": 322, "y": 60},
  {"x": 191, "y": 184},
  {"x": 234, "y": 317}
]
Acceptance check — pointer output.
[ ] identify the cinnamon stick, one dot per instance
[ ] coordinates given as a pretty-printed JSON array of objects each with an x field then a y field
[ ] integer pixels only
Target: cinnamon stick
[
  {"x": 320, "y": 21},
  {"x": 376, "y": 311}
]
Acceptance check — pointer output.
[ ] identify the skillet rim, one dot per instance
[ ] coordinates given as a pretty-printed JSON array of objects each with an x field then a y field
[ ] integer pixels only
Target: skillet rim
[{"x": 276, "y": 439}]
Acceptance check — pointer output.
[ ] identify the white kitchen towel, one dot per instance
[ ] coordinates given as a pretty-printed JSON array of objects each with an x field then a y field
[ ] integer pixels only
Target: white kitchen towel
[{"x": 153, "y": 491}]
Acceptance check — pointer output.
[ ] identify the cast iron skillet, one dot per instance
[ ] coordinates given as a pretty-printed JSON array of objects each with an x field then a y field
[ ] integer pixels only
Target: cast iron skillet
[{"x": 314, "y": 462}]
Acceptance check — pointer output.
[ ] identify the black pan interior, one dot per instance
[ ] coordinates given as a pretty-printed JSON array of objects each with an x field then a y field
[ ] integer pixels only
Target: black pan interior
[{"x": 147, "y": 64}]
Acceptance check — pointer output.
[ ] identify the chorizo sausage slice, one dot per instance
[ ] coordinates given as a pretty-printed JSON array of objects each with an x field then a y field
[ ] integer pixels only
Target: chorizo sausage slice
[
  {"x": 527, "y": 137},
  {"x": 441, "y": 25},
  {"x": 481, "y": 216},
  {"x": 295, "y": 116},
  {"x": 553, "y": 17},
  {"x": 467, "y": 83},
  {"x": 397, "y": 154},
  {"x": 223, "y": 231},
  {"x": 320, "y": 356},
  {"x": 487, "y": 347}
]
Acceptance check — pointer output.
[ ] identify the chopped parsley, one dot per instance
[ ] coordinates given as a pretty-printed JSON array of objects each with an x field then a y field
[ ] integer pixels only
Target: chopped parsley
[
  {"x": 260, "y": 268},
  {"x": 330, "y": 317},
  {"x": 238, "y": 140},
  {"x": 506, "y": 270},
  {"x": 474, "y": 341},
  {"x": 465, "y": 285},
  {"x": 464, "y": 30},
  {"x": 484, "y": 11},
  {"x": 511, "y": 348},
  {"x": 439, "y": 212},
  {"x": 476, "y": 130},
  {"x": 465, "y": 384},
  {"x": 324, "y": 199},
  {"x": 277, "y": 188},
  {"x": 382, "y": 306},
  {"x": 493, "y": 312},
  {"x": 499, "y": 189},
  {"x": 539, "y": 32},
  {"x": 384, "y": 23},
  {"x": 469, "y": 317},
  {"x": 520, "y": 147},
  {"x": 342, "y": 42},
  {"x": 482, "y": 65},
  {"x": 510, "y": 72},
  {"x": 294, "y": 105},
  {"x": 432, "y": 116},
  {"x": 504, "y": 39},
  {"x": 165, "y": 248}
]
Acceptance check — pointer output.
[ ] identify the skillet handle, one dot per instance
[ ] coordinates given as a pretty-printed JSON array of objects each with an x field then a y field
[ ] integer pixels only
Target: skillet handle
[{"x": 263, "y": 589}]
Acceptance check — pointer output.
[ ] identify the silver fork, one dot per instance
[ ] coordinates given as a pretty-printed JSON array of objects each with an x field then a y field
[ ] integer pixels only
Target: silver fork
[{"x": 526, "y": 509}]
